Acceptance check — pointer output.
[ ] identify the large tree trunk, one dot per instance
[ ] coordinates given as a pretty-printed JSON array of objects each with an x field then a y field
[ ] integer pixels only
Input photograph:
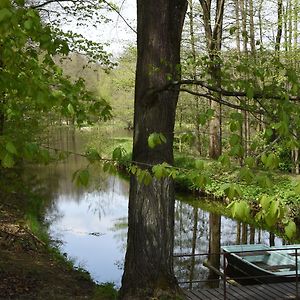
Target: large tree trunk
[{"x": 149, "y": 258}]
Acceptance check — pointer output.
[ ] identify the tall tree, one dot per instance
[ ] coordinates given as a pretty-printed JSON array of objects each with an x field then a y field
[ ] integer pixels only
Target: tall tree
[
  {"x": 213, "y": 36},
  {"x": 149, "y": 258}
]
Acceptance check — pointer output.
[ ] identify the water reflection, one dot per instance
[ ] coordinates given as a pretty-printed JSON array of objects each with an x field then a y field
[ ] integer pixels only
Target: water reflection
[{"x": 92, "y": 223}]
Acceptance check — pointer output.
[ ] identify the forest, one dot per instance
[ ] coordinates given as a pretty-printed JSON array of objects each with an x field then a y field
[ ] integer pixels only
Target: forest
[{"x": 205, "y": 103}]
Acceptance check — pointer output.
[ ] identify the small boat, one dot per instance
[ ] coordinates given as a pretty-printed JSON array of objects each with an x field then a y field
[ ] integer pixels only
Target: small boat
[{"x": 252, "y": 264}]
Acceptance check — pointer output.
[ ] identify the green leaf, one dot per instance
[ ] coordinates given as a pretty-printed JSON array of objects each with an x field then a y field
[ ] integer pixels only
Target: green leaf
[
  {"x": 5, "y": 14},
  {"x": 151, "y": 141},
  {"x": 199, "y": 164},
  {"x": 156, "y": 139},
  {"x": 246, "y": 174},
  {"x": 250, "y": 161},
  {"x": 118, "y": 153},
  {"x": 224, "y": 160},
  {"x": 109, "y": 167},
  {"x": 143, "y": 176},
  {"x": 10, "y": 147},
  {"x": 233, "y": 191},
  {"x": 249, "y": 92},
  {"x": 265, "y": 202},
  {"x": 297, "y": 188},
  {"x": 28, "y": 24},
  {"x": 241, "y": 210},
  {"x": 81, "y": 177},
  {"x": 92, "y": 155},
  {"x": 290, "y": 229},
  {"x": 8, "y": 161},
  {"x": 234, "y": 139},
  {"x": 71, "y": 109},
  {"x": 160, "y": 171},
  {"x": 20, "y": 2}
]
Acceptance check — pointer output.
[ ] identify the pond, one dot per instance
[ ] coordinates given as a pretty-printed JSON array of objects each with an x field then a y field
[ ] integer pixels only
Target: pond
[{"x": 91, "y": 224}]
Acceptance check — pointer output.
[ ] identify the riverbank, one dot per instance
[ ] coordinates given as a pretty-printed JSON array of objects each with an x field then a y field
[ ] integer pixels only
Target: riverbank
[{"x": 29, "y": 267}]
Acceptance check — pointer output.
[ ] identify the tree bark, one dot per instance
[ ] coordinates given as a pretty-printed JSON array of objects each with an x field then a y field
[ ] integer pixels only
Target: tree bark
[{"x": 148, "y": 271}]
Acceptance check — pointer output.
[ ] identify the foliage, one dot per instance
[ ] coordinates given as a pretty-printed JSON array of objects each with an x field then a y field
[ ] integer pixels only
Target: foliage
[
  {"x": 106, "y": 291},
  {"x": 32, "y": 85}
]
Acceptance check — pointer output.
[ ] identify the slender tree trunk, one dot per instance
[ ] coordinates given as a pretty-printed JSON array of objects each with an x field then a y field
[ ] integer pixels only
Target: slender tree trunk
[
  {"x": 148, "y": 270},
  {"x": 243, "y": 9},
  {"x": 244, "y": 233},
  {"x": 214, "y": 41},
  {"x": 214, "y": 246},
  {"x": 238, "y": 233},
  {"x": 290, "y": 24},
  {"x": 279, "y": 26},
  {"x": 272, "y": 239},
  {"x": 194, "y": 75},
  {"x": 194, "y": 244},
  {"x": 260, "y": 21},
  {"x": 252, "y": 235},
  {"x": 252, "y": 30},
  {"x": 238, "y": 27},
  {"x": 285, "y": 25},
  {"x": 295, "y": 17}
]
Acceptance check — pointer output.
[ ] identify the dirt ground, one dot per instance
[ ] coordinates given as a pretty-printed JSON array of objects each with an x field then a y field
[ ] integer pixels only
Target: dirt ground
[{"x": 28, "y": 270}]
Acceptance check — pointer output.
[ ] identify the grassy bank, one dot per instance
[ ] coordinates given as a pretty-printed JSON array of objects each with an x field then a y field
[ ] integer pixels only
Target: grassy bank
[{"x": 30, "y": 267}]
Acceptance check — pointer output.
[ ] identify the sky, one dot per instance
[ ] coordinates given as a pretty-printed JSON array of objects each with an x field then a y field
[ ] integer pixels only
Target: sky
[{"x": 116, "y": 32}]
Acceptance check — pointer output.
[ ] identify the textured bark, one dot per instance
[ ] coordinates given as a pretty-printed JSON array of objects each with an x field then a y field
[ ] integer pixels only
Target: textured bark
[{"x": 148, "y": 268}]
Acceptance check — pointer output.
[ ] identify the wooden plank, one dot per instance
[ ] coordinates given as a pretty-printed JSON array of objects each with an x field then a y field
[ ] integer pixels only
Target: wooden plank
[
  {"x": 205, "y": 295},
  {"x": 244, "y": 294},
  {"x": 289, "y": 288},
  {"x": 189, "y": 296},
  {"x": 271, "y": 291},
  {"x": 216, "y": 292},
  {"x": 236, "y": 293}
]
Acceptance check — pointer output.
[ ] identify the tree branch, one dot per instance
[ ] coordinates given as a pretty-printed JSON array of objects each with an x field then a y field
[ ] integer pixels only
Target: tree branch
[{"x": 257, "y": 95}]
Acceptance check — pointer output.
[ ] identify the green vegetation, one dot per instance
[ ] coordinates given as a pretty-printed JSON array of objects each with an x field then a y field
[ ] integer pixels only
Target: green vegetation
[{"x": 235, "y": 131}]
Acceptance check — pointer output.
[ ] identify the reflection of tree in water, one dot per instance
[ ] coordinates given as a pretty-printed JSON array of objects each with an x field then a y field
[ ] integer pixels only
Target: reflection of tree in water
[
  {"x": 120, "y": 228},
  {"x": 197, "y": 231},
  {"x": 107, "y": 197}
]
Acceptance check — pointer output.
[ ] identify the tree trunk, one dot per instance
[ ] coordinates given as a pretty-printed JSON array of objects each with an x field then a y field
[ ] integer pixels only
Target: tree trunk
[
  {"x": 148, "y": 270},
  {"x": 194, "y": 75},
  {"x": 194, "y": 244},
  {"x": 214, "y": 247},
  {"x": 252, "y": 31},
  {"x": 2, "y": 104},
  {"x": 279, "y": 26},
  {"x": 214, "y": 41}
]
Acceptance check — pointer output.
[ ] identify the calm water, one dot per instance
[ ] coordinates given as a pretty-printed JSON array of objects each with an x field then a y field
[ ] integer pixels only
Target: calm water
[{"x": 91, "y": 224}]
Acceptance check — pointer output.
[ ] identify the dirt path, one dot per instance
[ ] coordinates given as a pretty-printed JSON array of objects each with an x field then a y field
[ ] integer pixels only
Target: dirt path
[{"x": 29, "y": 271}]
